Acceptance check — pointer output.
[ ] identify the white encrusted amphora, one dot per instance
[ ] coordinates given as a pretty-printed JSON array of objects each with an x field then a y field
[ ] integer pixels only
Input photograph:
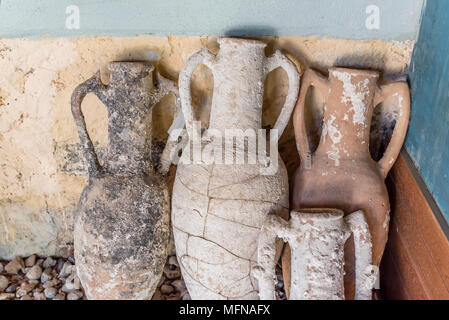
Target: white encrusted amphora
[
  {"x": 218, "y": 208},
  {"x": 317, "y": 238}
]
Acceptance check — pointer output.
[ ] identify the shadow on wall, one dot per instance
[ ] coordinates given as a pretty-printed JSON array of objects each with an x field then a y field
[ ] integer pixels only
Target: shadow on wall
[{"x": 251, "y": 31}]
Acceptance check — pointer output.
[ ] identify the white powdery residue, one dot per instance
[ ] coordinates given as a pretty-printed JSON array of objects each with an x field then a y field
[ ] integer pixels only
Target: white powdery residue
[
  {"x": 386, "y": 223},
  {"x": 335, "y": 136},
  {"x": 400, "y": 100},
  {"x": 354, "y": 94}
]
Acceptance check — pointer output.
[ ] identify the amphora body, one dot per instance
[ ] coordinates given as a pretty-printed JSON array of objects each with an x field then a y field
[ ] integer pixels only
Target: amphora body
[
  {"x": 218, "y": 208},
  {"x": 341, "y": 173},
  {"x": 122, "y": 218}
]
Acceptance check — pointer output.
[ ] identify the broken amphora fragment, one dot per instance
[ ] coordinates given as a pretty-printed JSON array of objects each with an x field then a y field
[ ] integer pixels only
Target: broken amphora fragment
[
  {"x": 122, "y": 219},
  {"x": 218, "y": 207},
  {"x": 341, "y": 172},
  {"x": 316, "y": 238}
]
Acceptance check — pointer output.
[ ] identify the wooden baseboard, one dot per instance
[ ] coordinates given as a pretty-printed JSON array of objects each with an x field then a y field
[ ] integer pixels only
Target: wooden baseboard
[{"x": 416, "y": 260}]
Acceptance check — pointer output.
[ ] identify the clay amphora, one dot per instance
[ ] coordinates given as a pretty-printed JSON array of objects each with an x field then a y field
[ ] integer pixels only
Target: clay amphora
[
  {"x": 122, "y": 218},
  {"x": 218, "y": 209},
  {"x": 341, "y": 173},
  {"x": 316, "y": 238}
]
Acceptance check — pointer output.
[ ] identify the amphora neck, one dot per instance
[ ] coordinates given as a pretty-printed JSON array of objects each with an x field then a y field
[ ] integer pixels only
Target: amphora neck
[
  {"x": 348, "y": 113},
  {"x": 239, "y": 76},
  {"x": 128, "y": 98}
]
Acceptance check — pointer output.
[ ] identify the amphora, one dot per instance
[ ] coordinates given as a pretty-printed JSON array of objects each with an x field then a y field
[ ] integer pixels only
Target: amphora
[
  {"x": 122, "y": 218},
  {"x": 218, "y": 207},
  {"x": 341, "y": 172}
]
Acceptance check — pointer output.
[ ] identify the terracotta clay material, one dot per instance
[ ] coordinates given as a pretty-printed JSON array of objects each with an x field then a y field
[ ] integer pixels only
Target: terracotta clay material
[
  {"x": 317, "y": 238},
  {"x": 218, "y": 209},
  {"x": 122, "y": 218},
  {"x": 341, "y": 173}
]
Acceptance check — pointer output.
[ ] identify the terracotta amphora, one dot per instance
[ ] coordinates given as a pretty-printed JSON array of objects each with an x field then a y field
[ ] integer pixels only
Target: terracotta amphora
[
  {"x": 341, "y": 173},
  {"x": 218, "y": 208},
  {"x": 316, "y": 238},
  {"x": 122, "y": 218}
]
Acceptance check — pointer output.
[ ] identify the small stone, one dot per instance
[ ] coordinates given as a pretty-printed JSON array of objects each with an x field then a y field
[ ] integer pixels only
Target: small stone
[
  {"x": 173, "y": 261},
  {"x": 173, "y": 296},
  {"x": 72, "y": 283},
  {"x": 50, "y": 292},
  {"x": 172, "y": 274},
  {"x": 60, "y": 264},
  {"x": 39, "y": 296},
  {"x": 46, "y": 275},
  {"x": 71, "y": 259},
  {"x": 28, "y": 286},
  {"x": 66, "y": 269},
  {"x": 12, "y": 288},
  {"x": 157, "y": 295},
  {"x": 186, "y": 296},
  {"x": 39, "y": 288},
  {"x": 179, "y": 285},
  {"x": 40, "y": 262},
  {"x": 26, "y": 297},
  {"x": 14, "y": 266},
  {"x": 3, "y": 283},
  {"x": 68, "y": 252},
  {"x": 34, "y": 273},
  {"x": 279, "y": 285},
  {"x": 59, "y": 296},
  {"x": 75, "y": 295},
  {"x": 51, "y": 283},
  {"x": 30, "y": 261},
  {"x": 48, "y": 263},
  {"x": 1, "y": 267},
  {"x": 15, "y": 278},
  {"x": 166, "y": 289},
  {"x": 7, "y": 296},
  {"x": 21, "y": 292}
]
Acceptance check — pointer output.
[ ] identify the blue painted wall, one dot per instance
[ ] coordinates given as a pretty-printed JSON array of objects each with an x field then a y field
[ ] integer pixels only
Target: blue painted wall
[
  {"x": 399, "y": 19},
  {"x": 428, "y": 136}
]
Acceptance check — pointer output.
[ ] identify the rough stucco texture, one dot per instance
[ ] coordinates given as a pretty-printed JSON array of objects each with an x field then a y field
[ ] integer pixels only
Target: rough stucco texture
[{"x": 42, "y": 171}]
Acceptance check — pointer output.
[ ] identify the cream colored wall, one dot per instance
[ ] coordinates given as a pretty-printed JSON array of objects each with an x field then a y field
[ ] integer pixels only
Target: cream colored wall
[{"x": 42, "y": 172}]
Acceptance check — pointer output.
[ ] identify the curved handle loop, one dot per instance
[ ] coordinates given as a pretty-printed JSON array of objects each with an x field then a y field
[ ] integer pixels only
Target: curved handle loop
[
  {"x": 265, "y": 272},
  {"x": 94, "y": 85},
  {"x": 204, "y": 56},
  {"x": 309, "y": 78},
  {"x": 402, "y": 91},
  {"x": 280, "y": 60},
  {"x": 365, "y": 272}
]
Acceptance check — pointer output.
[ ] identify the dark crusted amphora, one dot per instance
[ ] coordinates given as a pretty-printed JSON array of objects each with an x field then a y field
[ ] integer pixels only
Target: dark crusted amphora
[{"x": 122, "y": 218}]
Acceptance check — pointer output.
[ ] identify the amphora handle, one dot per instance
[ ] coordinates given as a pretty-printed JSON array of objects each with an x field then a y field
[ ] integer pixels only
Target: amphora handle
[
  {"x": 94, "y": 85},
  {"x": 402, "y": 92},
  {"x": 280, "y": 60},
  {"x": 204, "y": 56},
  {"x": 309, "y": 78}
]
